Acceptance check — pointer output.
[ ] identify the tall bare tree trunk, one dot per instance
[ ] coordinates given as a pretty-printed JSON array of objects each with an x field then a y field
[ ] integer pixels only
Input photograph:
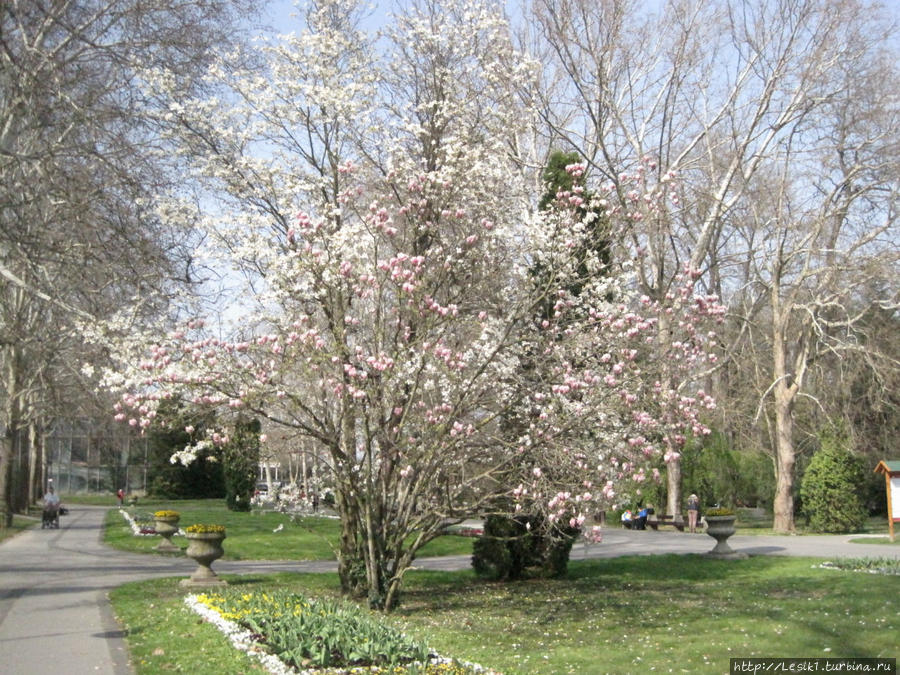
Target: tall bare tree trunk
[
  {"x": 6, "y": 453},
  {"x": 33, "y": 462},
  {"x": 7, "y": 445},
  {"x": 783, "y": 504},
  {"x": 673, "y": 485},
  {"x": 303, "y": 471},
  {"x": 787, "y": 384},
  {"x": 673, "y": 467},
  {"x": 44, "y": 465}
]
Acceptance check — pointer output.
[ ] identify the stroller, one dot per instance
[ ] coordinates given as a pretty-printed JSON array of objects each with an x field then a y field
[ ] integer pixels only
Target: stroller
[{"x": 51, "y": 516}]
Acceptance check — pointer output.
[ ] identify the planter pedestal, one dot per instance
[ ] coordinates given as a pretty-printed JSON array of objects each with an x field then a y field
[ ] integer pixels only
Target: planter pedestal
[
  {"x": 720, "y": 528},
  {"x": 204, "y": 548},
  {"x": 165, "y": 528}
]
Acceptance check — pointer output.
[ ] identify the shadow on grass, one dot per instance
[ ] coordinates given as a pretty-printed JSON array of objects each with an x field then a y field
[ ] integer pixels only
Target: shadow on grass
[
  {"x": 247, "y": 580},
  {"x": 634, "y": 580},
  {"x": 674, "y": 567}
]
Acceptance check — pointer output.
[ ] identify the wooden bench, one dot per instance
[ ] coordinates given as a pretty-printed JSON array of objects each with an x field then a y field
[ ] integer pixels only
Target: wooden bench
[{"x": 654, "y": 522}]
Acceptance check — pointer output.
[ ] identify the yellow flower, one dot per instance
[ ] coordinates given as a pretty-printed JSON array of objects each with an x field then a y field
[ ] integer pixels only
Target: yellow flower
[{"x": 205, "y": 529}]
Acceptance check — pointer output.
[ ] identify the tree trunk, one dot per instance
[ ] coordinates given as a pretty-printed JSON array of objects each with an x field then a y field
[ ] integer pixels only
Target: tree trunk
[
  {"x": 673, "y": 492},
  {"x": 375, "y": 562},
  {"x": 392, "y": 597},
  {"x": 6, "y": 453},
  {"x": 33, "y": 459},
  {"x": 306, "y": 494},
  {"x": 44, "y": 465},
  {"x": 673, "y": 467},
  {"x": 351, "y": 569},
  {"x": 7, "y": 445},
  {"x": 785, "y": 391},
  {"x": 783, "y": 504}
]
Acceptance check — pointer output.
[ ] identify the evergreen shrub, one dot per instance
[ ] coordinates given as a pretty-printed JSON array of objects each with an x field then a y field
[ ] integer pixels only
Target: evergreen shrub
[
  {"x": 241, "y": 462},
  {"x": 831, "y": 484},
  {"x": 513, "y": 547}
]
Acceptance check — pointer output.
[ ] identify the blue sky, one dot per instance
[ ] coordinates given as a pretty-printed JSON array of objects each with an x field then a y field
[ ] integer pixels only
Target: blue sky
[{"x": 282, "y": 14}]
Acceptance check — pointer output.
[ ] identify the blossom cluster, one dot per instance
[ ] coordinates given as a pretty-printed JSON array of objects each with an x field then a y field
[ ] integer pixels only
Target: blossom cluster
[
  {"x": 404, "y": 306},
  {"x": 604, "y": 371}
]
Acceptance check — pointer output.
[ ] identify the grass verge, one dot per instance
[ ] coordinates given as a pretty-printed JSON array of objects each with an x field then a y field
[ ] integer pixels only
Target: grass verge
[
  {"x": 623, "y": 615},
  {"x": 754, "y": 521},
  {"x": 163, "y": 637},
  {"x": 19, "y": 524},
  {"x": 876, "y": 540},
  {"x": 254, "y": 535}
]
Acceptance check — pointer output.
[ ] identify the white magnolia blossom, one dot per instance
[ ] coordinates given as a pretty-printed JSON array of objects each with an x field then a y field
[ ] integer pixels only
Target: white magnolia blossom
[{"x": 403, "y": 304}]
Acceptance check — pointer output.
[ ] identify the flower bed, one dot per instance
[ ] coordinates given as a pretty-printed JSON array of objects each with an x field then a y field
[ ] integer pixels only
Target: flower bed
[
  {"x": 469, "y": 532},
  {"x": 205, "y": 529},
  {"x": 870, "y": 565},
  {"x": 461, "y": 530},
  {"x": 289, "y": 634},
  {"x": 141, "y": 524}
]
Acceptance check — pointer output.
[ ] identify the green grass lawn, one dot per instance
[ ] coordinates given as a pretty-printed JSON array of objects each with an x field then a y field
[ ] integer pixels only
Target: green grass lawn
[
  {"x": 878, "y": 540},
  {"x": 19, "y": 524},
  {"x": 751, "y": 521},
  {"x": 254, "y": 535},
  {"x": 625, "y": 615}
]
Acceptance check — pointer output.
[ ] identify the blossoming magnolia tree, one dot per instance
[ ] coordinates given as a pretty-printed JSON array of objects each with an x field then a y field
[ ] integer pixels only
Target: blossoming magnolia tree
[{"x": 391, "y": 313}]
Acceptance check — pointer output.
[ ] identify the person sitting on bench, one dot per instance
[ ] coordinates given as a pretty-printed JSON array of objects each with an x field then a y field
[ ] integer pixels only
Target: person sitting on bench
[{"x": 640, "y": 523}]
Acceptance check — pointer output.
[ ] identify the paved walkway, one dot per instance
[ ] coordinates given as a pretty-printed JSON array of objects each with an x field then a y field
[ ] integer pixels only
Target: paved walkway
[{"x": 55, "y": 617}]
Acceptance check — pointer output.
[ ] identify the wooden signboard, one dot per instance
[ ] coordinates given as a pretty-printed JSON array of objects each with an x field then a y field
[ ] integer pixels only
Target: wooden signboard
[{"x": 891, "y": 471}]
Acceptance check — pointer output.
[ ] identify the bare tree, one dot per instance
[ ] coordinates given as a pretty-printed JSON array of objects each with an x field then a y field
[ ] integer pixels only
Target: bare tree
[
  {"x": 701, "y": 98},
  {"x": 820, "y": 234},
  {"x": 78, "y": 162}
]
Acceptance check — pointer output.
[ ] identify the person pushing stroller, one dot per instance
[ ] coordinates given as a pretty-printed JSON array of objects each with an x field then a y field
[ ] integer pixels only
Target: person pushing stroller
[{"x": 51, "y": 509}]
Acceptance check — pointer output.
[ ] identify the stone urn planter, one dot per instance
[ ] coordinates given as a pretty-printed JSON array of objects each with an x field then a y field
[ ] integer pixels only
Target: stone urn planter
[
  {"x": 720, "y": 528},
  {"x": 204, "y": 546},
  {"x": 165, "y": 523}
]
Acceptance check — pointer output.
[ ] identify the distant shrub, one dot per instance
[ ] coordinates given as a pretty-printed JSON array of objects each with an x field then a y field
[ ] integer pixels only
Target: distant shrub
[
  {"x": 830, "y": 486},
  {"x": 513, "y": 547},
  {"x": 240, "y": 462}
]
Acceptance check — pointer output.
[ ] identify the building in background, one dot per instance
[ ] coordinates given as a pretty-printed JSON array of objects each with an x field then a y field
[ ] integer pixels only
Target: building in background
[{"x": 88, "y": 456}]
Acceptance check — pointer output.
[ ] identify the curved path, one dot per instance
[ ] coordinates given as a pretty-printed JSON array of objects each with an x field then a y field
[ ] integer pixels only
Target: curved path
[{"x": 55, "y": 616}]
